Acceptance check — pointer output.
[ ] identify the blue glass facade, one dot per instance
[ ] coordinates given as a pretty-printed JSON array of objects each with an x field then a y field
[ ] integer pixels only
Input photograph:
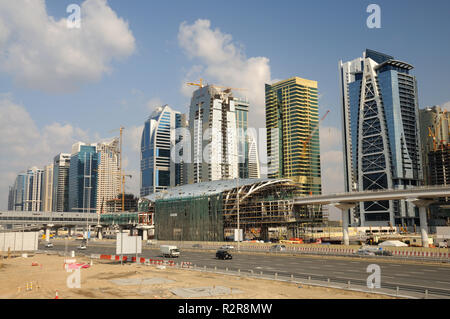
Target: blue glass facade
[
  {"x": 83, "y": 176},
  {"x": 158, "y": 172},
  {"x": 380, "y": 100}
]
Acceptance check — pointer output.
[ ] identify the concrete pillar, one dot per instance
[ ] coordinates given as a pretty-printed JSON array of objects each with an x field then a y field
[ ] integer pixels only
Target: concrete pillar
[
  {"x": 69, "y": 231},
  {"x": 56, "y": 232},
  {"x": 100, "y": 235},
  {"x": 145, "y": 234},
  {"x": 47, "y": 234},
  {"x": 423, "y": 205},
  {"x": 345, "y": 227},
  {"x": 344, "y": 207},
  {"x": 423, "y": 225}
]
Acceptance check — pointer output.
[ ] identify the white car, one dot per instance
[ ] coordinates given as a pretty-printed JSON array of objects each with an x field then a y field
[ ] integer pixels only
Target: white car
[
  {"x": 82, "y": 247},
  {"x": 225, "y": 247},
  {"x": 48, "y": 245}
]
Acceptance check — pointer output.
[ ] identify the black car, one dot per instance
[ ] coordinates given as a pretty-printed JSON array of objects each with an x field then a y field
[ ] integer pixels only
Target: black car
[{"x": 223, "y": 254}]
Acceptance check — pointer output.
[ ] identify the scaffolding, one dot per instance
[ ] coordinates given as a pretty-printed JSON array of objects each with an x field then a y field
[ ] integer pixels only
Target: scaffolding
[{"x": 213, "y": 217}]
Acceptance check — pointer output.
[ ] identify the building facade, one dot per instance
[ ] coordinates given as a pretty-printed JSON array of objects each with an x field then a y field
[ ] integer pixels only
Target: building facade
[
  {"x": 292, "y": 120},
  {"x": 61, "y": 165},
  {"x": 434, "y": 136},
  {"x": 158, "y": 170},
  {"x": 19, "y": 190},
  {"x": 47, "y": 189},
  {"x": 380, "y": 135},
  {"x": 214, "y": 145},
  {"x": 33, "y": 190},
  {"x": 108, "y": 174},
  {"x": 83, "y": 177}
]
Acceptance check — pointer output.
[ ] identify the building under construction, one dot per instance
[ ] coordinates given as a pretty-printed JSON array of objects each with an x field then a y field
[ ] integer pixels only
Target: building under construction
[{"x": 211, "y": 211}]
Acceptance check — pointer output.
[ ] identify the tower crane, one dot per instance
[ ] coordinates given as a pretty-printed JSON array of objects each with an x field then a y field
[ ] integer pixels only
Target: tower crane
[
  {"x": 305, "y": 143},
  {"x": 121, "y": 174}
]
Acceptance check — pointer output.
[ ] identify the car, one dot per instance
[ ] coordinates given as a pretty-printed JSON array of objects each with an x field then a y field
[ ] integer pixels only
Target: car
[
  {"x": 82, "y": 247},
  {"x": 223, "y": 254},
  {"x": 226, "y": 247},
  {"x": 365, "y": 252},
  {"x": 278, "y": 248},
  {"x": 196, "y": 246},
  {"x": 383, "y": 253},
  {"x": 48, "y": 245}
]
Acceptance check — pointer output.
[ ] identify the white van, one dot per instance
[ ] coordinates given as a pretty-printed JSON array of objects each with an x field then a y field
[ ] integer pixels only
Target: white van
[{"x": 169, "y": 251}]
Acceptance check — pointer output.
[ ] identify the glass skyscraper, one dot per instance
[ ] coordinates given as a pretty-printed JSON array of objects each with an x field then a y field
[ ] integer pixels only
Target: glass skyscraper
[
  {"x": 380, "y": 135},
  {"x": 292, "y": 119},
  {"x": 158, "y": 170},
  {"x": 83, "y": 175},
  {"x": 61, "y": 164}
]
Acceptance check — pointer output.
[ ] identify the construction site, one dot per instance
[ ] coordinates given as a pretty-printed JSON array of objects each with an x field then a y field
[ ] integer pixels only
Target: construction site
[{"x": 211, "y": 211}]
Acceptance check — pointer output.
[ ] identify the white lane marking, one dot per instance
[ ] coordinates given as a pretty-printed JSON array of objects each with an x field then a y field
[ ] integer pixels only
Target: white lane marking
[{"x": 444, "y": 282}]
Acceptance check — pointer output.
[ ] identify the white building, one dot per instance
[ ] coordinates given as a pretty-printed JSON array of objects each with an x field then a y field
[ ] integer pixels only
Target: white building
[
  {"x": 214, "y": 151},
  {"x": 47, "y": 189},
  {"x": 33, "y": 189},
  {"x": 108, "y": 178}
]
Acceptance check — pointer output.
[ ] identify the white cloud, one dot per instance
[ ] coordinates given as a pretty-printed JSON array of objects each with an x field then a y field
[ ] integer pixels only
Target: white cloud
[
  {"x": 223, "y": 62},
  {"x": 153, "y": 103},
  {"x": 24, "y": 145},
  {"x": 42, "y": 53},
  {"x": 446, "y": 106}
]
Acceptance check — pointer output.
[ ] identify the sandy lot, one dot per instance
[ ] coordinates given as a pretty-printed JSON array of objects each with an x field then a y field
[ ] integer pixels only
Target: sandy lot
[{"x": 49, "y": 276}]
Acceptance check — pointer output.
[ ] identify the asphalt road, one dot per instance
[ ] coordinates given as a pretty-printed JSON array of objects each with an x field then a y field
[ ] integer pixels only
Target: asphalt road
[{"x": 413, "y": 276}]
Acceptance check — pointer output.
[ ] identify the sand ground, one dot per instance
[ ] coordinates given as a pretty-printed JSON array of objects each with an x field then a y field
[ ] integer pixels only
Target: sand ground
[{"x": 50, "y": 276}]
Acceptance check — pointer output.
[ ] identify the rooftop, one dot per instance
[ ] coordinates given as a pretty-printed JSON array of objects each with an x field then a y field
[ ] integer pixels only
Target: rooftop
[{"x": 208, "y": 188}]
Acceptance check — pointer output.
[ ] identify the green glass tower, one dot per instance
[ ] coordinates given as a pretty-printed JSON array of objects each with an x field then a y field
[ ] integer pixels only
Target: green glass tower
[{"x": 292, "y": 119}]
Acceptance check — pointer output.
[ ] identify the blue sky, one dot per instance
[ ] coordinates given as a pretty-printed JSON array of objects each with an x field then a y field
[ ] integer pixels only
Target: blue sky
[{"x": 299, "y": 38}]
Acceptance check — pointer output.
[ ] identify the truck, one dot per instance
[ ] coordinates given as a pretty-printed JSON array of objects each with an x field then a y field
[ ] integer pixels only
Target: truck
[{"x": 169, "y": 251}]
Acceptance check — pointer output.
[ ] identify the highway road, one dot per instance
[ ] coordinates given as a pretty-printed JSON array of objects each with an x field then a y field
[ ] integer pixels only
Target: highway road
[{"x": 411, "y": 276}]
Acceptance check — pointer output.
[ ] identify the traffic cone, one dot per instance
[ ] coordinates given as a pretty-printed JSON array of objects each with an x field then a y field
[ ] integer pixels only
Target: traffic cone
[{"x": 56, "y": 295}]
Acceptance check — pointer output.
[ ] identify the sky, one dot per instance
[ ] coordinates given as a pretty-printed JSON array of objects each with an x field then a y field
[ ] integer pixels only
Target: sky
[{"x": 60, "y": 85}]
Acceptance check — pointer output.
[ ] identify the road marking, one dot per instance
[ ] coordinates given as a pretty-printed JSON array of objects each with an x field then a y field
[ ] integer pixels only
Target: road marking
[
  {"x": 443, "y": 282},
  {"x": 415, "y": 272}
]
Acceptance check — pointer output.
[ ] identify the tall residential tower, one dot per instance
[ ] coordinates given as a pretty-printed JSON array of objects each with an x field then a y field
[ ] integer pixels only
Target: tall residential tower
[
  {"x": 158, "y": 170},
  {"x": 381, "y": 135},
  {"x": 292, "y": 119}
]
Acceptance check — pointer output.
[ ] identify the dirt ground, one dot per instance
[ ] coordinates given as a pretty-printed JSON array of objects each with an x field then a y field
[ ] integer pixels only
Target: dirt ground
[{"x": 48, "y": 276}]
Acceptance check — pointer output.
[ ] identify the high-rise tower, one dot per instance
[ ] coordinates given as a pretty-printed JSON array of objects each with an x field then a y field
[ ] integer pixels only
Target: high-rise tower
[
  {"x": 214, "y": 141},
  {"x": 158, "y": 170},
  {"x": 292, "y": 119},
  {"x": 61, "y": 164},
  {"x": 380, "y": 135}
]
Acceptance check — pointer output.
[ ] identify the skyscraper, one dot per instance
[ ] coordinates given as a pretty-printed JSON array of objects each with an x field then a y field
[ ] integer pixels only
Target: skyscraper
[
  {"x": 292, "y": 119},
  {"x": 61, "y": 164},
  {"x": 434, "y": 136},
  {"x": 108, "y": 173},
  {"x": 212, "y": 122},
  {"x": 83, "y": 177},
  {"x": 11, "y": 195},
  {"x": 380, "y": 135},
  {"x": 19, "y": 192},
  {"x": 33, "y": 190},
  {"x": 158, "y": 170},
  {"x": 47, "y": 189}
]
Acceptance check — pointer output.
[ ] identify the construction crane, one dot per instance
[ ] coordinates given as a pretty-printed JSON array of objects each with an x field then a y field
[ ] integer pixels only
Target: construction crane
[
  {"x": 201, "y": 85},
  {"x": 121, "y": 174},
  {"x": 305, "y": 143},
  {"x": 196, "y": 84},
  {"x": 437, "y": 126}
]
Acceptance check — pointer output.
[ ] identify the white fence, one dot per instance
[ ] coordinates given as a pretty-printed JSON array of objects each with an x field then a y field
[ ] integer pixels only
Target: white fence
[{"x": 19, "y": 241}]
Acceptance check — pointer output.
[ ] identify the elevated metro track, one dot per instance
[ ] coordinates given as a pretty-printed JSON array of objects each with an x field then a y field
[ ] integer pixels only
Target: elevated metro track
[{"x": 417, "y": 193}]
